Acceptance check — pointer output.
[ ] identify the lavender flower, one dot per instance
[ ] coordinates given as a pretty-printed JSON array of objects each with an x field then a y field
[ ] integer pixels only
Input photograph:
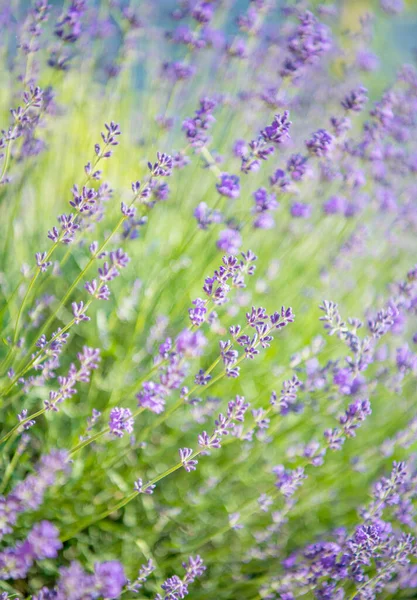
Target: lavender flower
[
  {"x": 141, "y": 489},
  {"x": 320, "y": 143},
  {"x": 28, "y": 494},
  {"x": 355, "y": 100},
  {"x": 278, "y": 131},
  {"x": 188, "y": 463},
  {"x": 229, "y": 241},
  {"x": 121, "y": 421},
  {"x": 110, "y": 578},
  {"x": 288, "y": 480},
  {"x": 152, "y": 397},
  {"x": 229, "y": 186}
]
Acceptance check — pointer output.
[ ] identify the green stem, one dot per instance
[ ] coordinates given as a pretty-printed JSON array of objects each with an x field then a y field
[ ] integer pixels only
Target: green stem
[
  {"x": 122, "y": 503},
  {"x": 20, "y": 424},
  {"x": 39, "y": 355},
  {"x": 11, "y": 467},
  {"x": 211, "y": 162},
  {"x": 6, "y": 160}
]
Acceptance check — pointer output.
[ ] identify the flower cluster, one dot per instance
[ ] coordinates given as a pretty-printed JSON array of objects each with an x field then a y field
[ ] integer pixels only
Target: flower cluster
[
  {"x": 28, "y": 494},
  {"x": 89, "y": 359},
  {"x": 166, "y": 376},
  {"x": 196, "y": 127},
  {"x": 261, "y": 148}
]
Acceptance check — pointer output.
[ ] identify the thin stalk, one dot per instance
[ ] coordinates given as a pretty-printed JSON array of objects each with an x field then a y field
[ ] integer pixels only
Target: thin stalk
[
  {"x": 29, "y": 289},
  {"x": 11, "y": 467},
  {"x": 122, "y": 503},
  {"x": 20, "y": 424}
]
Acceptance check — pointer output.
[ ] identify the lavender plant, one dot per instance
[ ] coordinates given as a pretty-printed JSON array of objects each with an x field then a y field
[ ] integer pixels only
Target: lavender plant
[{"x": 208, "y": 294}]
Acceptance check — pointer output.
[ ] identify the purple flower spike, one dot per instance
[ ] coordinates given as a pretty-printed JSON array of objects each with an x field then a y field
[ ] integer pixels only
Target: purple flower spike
[
  {"x": 78, "y": 311},
  {"x": 142, "y": 489},
  {"x": 188, "y": 463},
  {"x": 110, "y": 578},
  {"x": 229, "y": 241},
  {"x": 41, "y": 261},
  {"x": 320, "y": 143},
  {"x": 229, "y": 186},
  {"x": 121, "y": 421},
  {"x": 279, "y": 129}
]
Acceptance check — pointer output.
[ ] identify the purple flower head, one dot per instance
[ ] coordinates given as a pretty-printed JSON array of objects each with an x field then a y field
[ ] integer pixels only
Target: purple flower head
[
  {"x": 282, "y": 318},
  {"x": 193, "y": 568},
  {"x": 74, "y": 582},
  {"x": 279, "y": 129},
  {"x": 198, "y": 313},
  {"x": 257, "y": 316},
  {"x": 335, "y": 205},
  {"x": 340, "y": 125},
  {"x": 301, "y": 210},
  {"x": 119, "y": 259},
  {"x": 238, "y": 48},
  {"x": 89, "y": 359},
  {"x": 229, "y": 241},
  {"x": 78, "y": 311},
  {"x": 203, "y": 12},
  {"x": 406, "y": 360},
  {"x": 265, "y": 502},
  {"x": 288, "y": 396},
  {"x": 201, "y": 378},
  {"x": 69, "y": 27},
  {"x": 110, "y": 578},
  {"x": 207, "y": 442},
  {"x": 107, "y": 272},
  {"x": 355, "y": 413},
  {"x": 142, "y": 489},
  {"x": 191, "y": 343},
  {"x": 229, "y": 186},
  {"x": 264, "y": 221},
  {"x": 28, "y": 495},
  {"x": 69, "y": 226},
  {"x": 152, "y": 396},
  {"x": 264, "y": 201},
  {"x": 355, "y": 100},
  {"x": 386, "y": 490},
  {"x": 180, "y": 160},
  {"x": 42, "y": 262},
  {"x": 320, "y": 143},
  {"x": 288, "y": 481},
  {"x": 161, "y": 168},
  {"x": 188, "y": 463},
  {"x": 174, "y": 588},
  {"x": 196, "y": 127},
  {"x": 236, "y": 409},
  {"x": 297, "y": 166},
  {"x": 280, "y": 181},
  {"x": 178, "y": 71},
  {"x": 310, "y": 40},
  {"x": 223, "y": 425},
  {"x": 22, "y": 416},
  {"x": 121, "y": 421},
  {"x": 205, "y": 216},
  {"x": 367, "y": 61},
  {"x": 43, "y": 541},
  {"x": 240, "y": 148},
  {"x": 98, "y": 290},
  {"x": 334, "y": 438},
  {"x": 392, "y": 7}
]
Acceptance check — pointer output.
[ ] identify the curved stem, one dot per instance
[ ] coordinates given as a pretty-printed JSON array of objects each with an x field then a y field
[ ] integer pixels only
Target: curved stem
[
  {"x": 6, "y": 161},
  {"x": 39, "y": 354},
  {"x": 125, "y": 501},
  {"x": 20, "y": 424},
  {"x": 210, "y": 161}
]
